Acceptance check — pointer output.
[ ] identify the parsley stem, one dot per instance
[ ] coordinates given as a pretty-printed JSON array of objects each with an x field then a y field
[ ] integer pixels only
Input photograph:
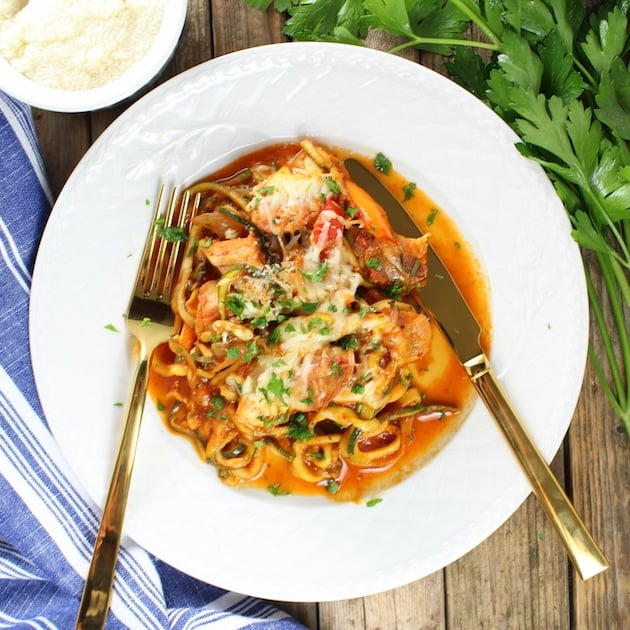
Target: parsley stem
[
  {"x": 619, "y": 398},
  {"x": 622, "y": 280},
  {"x": 585, "y": 73},
  {"x": 594, "y": 357},
  {"x": 594, "y": 201},
  {"x": 419, "y": 41},
  {"x": 476, "y": 18}
]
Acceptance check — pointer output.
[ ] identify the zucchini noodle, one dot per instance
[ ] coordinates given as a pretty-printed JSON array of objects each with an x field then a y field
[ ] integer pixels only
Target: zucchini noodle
[{"x": 297, "y": 336}]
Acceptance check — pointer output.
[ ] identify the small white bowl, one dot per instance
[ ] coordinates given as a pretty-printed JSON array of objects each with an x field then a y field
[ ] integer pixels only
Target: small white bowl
[{"x": 140, "y": 75}]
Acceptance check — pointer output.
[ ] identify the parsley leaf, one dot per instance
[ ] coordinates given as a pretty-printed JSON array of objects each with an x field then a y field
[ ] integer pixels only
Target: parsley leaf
[
  {"x": 606, "y": 39},
  {"x": 275, "y": 389},
  {"x": 613, "y": 99},
  {"x": 298, "y": 427},
  {"x": 277, "y": 491},
  {"x": 382, "y": 163},
  {"x": 318, "y": 275},
  {"x": 321, "y": 19},
  {"x": 172, "y": 233}
]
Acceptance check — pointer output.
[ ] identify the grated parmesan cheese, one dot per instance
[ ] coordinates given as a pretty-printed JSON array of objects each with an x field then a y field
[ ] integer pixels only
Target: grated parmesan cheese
[{"x": 77, "y": 44}]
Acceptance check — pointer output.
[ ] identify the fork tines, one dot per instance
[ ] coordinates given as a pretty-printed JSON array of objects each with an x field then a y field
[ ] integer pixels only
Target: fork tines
[{"x": 168, "y": 227}]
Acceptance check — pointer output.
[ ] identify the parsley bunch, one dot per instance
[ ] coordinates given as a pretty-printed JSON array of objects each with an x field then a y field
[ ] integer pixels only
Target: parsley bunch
[{"x": 560, "y": 78}]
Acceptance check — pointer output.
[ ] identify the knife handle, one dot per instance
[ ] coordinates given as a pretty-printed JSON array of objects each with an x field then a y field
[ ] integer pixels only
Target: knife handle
[{"x": 584, "y": 552}]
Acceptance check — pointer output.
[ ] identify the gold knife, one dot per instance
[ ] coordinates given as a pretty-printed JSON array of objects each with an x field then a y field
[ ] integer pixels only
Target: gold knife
[{"x": 443, "y": 301}]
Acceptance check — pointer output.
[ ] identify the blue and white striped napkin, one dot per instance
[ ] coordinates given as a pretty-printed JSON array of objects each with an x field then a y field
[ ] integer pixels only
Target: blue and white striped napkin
[{"x": 47, "y": 524}]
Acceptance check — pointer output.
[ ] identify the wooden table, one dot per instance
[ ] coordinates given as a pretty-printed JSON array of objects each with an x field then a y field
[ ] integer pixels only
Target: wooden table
[{"x": 520, "y": 576}]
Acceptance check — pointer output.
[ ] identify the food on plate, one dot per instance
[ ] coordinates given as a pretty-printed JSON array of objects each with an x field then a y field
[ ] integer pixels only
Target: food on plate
[{"x": 302, "y": 362}]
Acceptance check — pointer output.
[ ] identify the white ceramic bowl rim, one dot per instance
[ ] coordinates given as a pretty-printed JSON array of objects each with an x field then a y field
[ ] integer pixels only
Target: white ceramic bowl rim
[{"x": 138, "y": 76}]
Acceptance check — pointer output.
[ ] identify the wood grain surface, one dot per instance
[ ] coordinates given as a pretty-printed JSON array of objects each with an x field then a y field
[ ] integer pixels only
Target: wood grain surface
[{"x": 519, "y": 578}]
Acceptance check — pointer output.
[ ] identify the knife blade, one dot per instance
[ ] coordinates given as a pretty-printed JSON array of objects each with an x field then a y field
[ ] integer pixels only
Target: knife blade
[{"x": 445, "y": 304}]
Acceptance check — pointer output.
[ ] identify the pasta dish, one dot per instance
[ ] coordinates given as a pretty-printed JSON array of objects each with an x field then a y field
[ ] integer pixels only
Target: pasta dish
[{"x": 300, "y": 353}]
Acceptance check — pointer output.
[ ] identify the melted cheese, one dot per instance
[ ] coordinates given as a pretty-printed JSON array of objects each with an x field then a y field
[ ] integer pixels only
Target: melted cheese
[{"x": 286, "y": 200}]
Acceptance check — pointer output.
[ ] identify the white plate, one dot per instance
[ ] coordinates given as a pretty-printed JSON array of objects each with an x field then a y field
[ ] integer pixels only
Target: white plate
[{"x": 292, "y": 548}]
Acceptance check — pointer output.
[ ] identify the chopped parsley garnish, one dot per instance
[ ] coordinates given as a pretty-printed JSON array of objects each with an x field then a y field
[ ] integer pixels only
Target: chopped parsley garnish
[
  {"x": 173, "y": 234},
  {"x": 236, "y": 303},
  {"x": 307, "y": 307},
  {"x": 333, "y": 186},
  {"x": 317, "y": 275},
  {"x": 432, "y": 216},
  {"x": 336, "y": 369},
  {"x": 309, "y": 397},
  {"x": 314, "y": 323},
  {"x": 251, "y": 351},
  {"x": 275, "y": 389},
  {"x": 352, "y": 441},
  {"x": 349, "y": 343},
  {"x": 233, "y": 353},
  {"x": 276, "y": 334},
  {"x": 298, "y": 427},
  {"x": 382, "y": 163},
  {"x": 396, "y": 289},
  {"x": 373, "y": 502},
  {"x": 111, "y": 327},
  {"x": 325, "y": 330},
  {"x": 218, "y": 402},
  {"x": 409, "y": 191},
  {"x": 364, "y": 310},
  {"x": 277, "y": 491}
]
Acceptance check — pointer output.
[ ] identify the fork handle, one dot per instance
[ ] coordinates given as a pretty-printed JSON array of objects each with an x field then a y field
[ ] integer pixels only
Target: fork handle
[
  {"x": 98, "y": 585},
  {"x": 586, "y": 556}
]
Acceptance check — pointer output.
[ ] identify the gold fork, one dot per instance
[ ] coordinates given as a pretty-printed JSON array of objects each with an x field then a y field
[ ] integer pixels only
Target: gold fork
[{"x": 150, "y": 320}]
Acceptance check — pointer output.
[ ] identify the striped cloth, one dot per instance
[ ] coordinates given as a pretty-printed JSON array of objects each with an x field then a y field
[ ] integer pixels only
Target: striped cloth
[{"x": 47, "y": 525}]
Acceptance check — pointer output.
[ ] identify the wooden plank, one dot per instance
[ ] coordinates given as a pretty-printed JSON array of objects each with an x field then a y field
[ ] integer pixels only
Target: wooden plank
[
  {"x": 63, "y": 139},
  {"x": 416, "y": 606},
  {"x": 346, "y": 614},
  {"x": 236, "y": 25},
  {"x": 420, "y": 605},
  {"x": 600, "y": 479},
  {"x": 195, "y": 45}
]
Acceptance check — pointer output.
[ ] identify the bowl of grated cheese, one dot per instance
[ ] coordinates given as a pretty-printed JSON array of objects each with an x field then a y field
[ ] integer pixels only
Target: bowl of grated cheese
[{"x": 85, "y": 55}]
